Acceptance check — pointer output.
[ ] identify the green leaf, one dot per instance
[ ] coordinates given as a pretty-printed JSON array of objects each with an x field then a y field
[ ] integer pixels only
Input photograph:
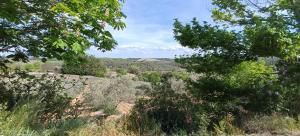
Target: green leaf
[
  {"x": 60, "y": 44},
  {"x": 77, "y": 47}
]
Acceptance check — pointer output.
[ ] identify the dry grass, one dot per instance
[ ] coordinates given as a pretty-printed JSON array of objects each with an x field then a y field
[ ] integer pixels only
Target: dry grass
[{"x": 271, "y": 124}]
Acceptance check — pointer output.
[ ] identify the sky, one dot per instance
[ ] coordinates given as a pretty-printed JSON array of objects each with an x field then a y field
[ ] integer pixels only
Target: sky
[{"x": 149, "y": 24}]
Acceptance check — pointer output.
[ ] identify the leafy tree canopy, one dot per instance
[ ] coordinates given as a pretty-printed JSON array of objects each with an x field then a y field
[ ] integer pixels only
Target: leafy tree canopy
[
  {"x": 267, "y": 28},
  {"x": 57, "y": 28},
  {"x": 232, "y": 79}
]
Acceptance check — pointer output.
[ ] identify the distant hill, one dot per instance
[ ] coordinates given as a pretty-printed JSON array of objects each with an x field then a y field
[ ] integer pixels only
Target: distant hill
[{"x": 151, "y": 60}]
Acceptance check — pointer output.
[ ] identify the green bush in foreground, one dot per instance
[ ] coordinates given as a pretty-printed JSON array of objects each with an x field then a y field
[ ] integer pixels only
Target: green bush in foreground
[
  {"x": 84, "y": 65},
  {"x": 250, "y": 87},
  {"x": 169, "y": 110},
  {"x": 234, "y": 81},
  {"x": 153, "y": 77},
  {"x": 19, "y": 122},
  {"x": 31, "y": 105},
  {"x": 47, "y": 91}
]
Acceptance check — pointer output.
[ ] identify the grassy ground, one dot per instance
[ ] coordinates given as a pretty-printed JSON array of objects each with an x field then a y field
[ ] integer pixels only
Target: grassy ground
[{"x": 113, "y": 98}]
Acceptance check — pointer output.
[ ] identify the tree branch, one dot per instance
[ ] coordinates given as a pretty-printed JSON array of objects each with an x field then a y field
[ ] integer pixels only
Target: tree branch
[{"x": 6, "y": 49}]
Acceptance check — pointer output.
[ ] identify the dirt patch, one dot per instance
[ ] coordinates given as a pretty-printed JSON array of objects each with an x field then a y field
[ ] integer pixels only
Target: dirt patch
[{"x": 124, "y": 108}]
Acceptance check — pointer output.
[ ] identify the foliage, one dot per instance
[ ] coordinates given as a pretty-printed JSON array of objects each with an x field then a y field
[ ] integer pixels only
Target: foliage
[
  {"x": 84, "y": 65},
  {"x": 271, "y": 29},
  {"x": 274, "y": 123},
  {"x": 132, "y": 65},
  {"x": 219, "y": 49},
  {"x": 57, "y": 29},
  {"x": 133, "y": 69},
  {"x": 141, "y": 124},
  {"x": 180, "y": 75},
  {"x": 248, "y": 88},
  {"x": 233, "y": 79},
  {"x": 292, "y": 102},
  {"x": 19, "y": 122},
  {"x": 257, "y": 87},
  {"x": 142, "y": 65},
  {"x": 32, "y": 66},
  {"x": 46, "y": 91},
  {"x": 153, "y": 77},
  {"x": 106, "y": 94},
  {"x": 121, "y": 71},
  {"x": 226, "y": 126},
  {"x": 171, "y": 110}
]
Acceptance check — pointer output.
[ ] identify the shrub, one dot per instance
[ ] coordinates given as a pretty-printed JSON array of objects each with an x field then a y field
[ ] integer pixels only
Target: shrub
[
  {"x": 35, "y": 105},
  {"x": 250, "y": 87},
  {"x": 226, "y": 127},
  {"x": 106, "y": 94},
  {"x": 153, "y": 77},
  {"x": 271, "y": 124},
  {"x": 183, "y": 75},
  {"x": 256, "y": 87},
  {"x": 134, "y": 70},
  {"x": 289, "y": 77},
  {"x": 19, "y": 123},
  {"x": 121, "y": 71},
  {"x": 141, "y": 124},
  {"x": 84, "y": 65},
  {"x": 172, "y": 111},
  {"x": 47, "y": 91},
  {"x": 292, "y": 102},
  {"x": 16, "y": 123}
]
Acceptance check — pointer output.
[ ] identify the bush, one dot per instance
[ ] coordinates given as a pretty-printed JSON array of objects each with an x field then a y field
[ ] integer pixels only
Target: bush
[
  {"x": 173, "y": 112},
  {"x": 134, "y": 70},
  {"x": 289, "y": 77},
  {"x": 257, "y": 86},
  {"x": 182, "y": 75},
  {"x": 121, "y": 71},
  {"x": 271, "y": 124},
  {"x": 30, "y": 104},
  {"x": 226, "y": 126},
  {"x": 19, "y": 123},
  {"x": 291, "y": 101},
  {"x": 106, "y": 94},
  {"x": 47, "y": 91},
  {"x": 153, "y": 77},
  {"x": 250, "y": 87},
  {"x": 86, "y": 65}
]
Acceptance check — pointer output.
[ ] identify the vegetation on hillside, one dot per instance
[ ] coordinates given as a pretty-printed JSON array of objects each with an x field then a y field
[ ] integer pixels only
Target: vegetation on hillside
[
  {"x": 84, "y": 65},
  {"x": 241, "y": 81}
]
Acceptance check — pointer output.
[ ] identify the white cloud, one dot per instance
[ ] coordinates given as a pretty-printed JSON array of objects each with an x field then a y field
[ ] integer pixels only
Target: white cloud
[
  {"x": 149, "y": 28},
  {"x": 144, "y": 40}
]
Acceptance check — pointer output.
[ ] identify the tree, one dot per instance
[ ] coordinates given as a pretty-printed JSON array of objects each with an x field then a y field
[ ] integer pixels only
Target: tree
[
  {"x": 247, "y": 31},
  {"x": 84, "y": 65},
  {"x": 56, "y": 28}
]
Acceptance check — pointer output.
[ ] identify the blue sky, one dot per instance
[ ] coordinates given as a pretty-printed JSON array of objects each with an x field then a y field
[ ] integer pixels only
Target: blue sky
[{"x": 149, "y": 28}]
